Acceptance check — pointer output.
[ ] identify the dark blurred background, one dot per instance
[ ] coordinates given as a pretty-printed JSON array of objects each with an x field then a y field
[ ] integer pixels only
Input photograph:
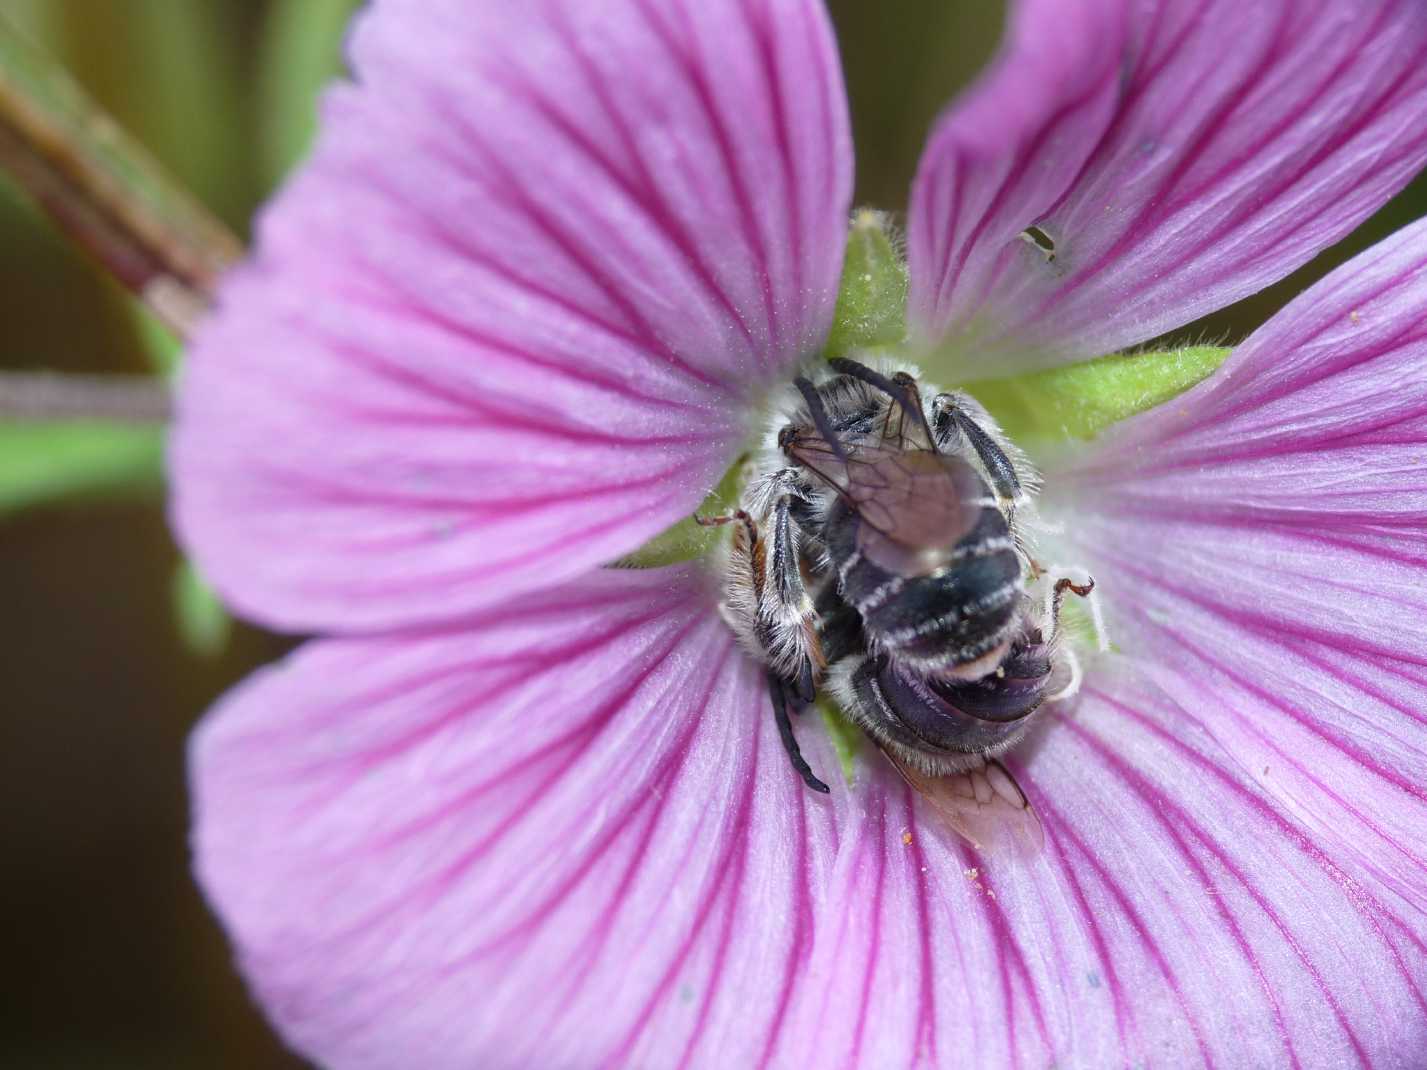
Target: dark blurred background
[{"x": 109, "y": 957}]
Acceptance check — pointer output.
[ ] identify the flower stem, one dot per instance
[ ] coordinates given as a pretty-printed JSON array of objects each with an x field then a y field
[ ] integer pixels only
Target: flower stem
[
  {"x": 105, "y": 190},
  {"x": 47, "y": 397}
]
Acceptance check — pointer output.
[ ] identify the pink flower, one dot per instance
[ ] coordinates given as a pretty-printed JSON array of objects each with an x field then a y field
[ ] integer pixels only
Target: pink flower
[{"x": 515, "y": 317}]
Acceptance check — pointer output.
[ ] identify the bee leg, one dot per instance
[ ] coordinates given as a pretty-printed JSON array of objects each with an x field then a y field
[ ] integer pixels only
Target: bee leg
[
  {"x": 1065, "y": 581},
  {"x": 762, "y": 494},
  {"x": 788, "y": 614},
  {"x": 1057, "y": 596},
  {"x": 781, "y": 619},
  {"x": 950, "y": 419},
  {"x": 821, "y": 422},
  {"x": 777, "y": 690},
  {"x": 738, "y": 516}
]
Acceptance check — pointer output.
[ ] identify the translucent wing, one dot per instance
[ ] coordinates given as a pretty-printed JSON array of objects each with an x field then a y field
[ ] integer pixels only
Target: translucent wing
[
  {"x": 919, "y": 499},
  {"x": 890, "y": 486},
  {"x": 904, "y": 426},
  {"x": 984, "y": 806},
  {"x": 921, "y": 503},
  {"x": 843, "y": 452},
  {"x": 904, "y": 423}
]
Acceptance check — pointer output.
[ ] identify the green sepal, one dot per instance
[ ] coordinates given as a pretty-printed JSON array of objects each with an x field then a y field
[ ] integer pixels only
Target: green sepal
[
  {"x": 1082, "y": 400},
  {"x": 41, "y": 464},
  {"x": 872, "y": 300},
  {"x": 202, "y": 621},
  {"x": 301, "y": 53},
  {"x": 160, "y": 345},
  {"x": 686, "y": 539},
  {"x": 847, "y": 738}
]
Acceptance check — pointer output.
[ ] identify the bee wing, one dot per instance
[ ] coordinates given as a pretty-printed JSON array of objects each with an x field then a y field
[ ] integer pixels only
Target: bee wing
[
  {"x": 904, "y": 425},
  {"x": 983, "y": 805},
  {"x": 914, "y": 496},
  {"x": 904, "y": 421},
  {"x": 915, "y": 505}
]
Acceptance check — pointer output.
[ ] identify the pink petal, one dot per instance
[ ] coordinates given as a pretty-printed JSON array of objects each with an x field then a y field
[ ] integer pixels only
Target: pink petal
[
  {"x": 532, "y": 844},
  {"x": 1180, "y": 154},
  {"x": 506, "y": 323},
  {"x": 569, "y": 837},
  {"x": 1262, "y": 539},
  {"x": 1221, "y": 930}
]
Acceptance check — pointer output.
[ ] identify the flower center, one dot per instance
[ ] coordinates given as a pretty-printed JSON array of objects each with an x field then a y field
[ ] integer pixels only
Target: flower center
[{"x": 880, "y": 552}]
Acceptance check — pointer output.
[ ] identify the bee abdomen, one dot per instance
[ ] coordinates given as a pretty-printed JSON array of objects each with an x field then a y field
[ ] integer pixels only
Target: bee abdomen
[
  {"x": 962, "y": 717},
  {"x": 956, "y": 614}
]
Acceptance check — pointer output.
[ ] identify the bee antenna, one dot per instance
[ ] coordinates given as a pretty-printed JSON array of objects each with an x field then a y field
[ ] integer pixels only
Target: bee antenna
[
  {"x": 904, "y": 393},
  {"x": 820, "y": 417},
  {"x": 779, "y": 694}
]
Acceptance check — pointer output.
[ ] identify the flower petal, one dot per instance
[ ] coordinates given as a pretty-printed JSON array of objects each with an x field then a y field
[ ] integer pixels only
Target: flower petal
[
  {"x": 1215, "y": 929},
  {"x": 1177, "y": 917},
  {"x": 506, "y": 323},
  {"x": 534, "y": 844},
  {"x": 1178, "y": 154},
  {"x": 571, "y": 838},
  {"x": 1262, "y": 538}
]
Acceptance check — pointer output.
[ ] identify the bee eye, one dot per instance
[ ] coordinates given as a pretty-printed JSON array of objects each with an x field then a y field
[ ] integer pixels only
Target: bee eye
[{"x": 786, "y": 436}]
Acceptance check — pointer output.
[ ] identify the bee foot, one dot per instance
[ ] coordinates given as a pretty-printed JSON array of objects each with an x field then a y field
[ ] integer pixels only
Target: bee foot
[{"x": 777, "y": 690}]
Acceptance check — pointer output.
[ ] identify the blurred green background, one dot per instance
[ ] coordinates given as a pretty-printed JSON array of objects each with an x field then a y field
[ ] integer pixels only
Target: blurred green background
[{"x": 109, "y": 957}]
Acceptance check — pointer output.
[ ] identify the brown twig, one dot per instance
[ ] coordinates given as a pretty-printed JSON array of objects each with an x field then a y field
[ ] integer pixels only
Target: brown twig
[{"x": 105, "y": 190}]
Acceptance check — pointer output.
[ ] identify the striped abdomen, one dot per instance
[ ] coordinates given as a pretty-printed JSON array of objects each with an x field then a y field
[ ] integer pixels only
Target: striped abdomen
[{"x": 948, "y": 609}]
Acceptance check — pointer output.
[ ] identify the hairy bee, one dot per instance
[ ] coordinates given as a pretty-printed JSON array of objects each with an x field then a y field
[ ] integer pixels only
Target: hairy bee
[{"x": 877, "y": 551}]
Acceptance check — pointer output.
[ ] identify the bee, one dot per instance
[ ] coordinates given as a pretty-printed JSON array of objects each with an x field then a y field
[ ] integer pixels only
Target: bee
[{"x": 878, "y": 551}]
